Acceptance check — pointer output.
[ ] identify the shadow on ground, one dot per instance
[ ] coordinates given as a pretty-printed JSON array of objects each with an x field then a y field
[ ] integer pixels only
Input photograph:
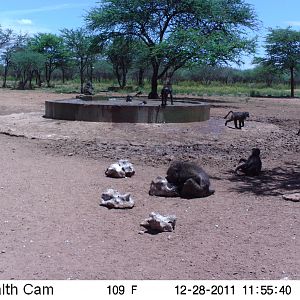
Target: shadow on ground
[{"x": 271, "y": 182}]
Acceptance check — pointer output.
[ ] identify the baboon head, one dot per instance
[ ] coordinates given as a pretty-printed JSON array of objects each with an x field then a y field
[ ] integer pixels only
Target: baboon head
[{"x": 255, "y": 152}]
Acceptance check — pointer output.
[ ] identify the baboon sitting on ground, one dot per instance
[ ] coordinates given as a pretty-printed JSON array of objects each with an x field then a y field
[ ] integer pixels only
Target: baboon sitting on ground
[
  {"x": 191, "y": 180},
  {"x": 252, "y": 165}
]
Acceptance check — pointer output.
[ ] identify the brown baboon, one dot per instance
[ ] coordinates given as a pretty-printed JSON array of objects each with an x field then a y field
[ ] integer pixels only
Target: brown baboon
[
  {"x": 88, "y": 88},
  {"x": 237, "y": 116},
  {"x": 165, "y": 92},
  {"x": 191, "y": 180},
  {"x": 129, "y": 98},
  {"x": 252, "y": 165}
]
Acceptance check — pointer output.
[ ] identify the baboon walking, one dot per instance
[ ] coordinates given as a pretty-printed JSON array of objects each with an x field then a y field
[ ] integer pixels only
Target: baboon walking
[{"x": 237, "y": 116}]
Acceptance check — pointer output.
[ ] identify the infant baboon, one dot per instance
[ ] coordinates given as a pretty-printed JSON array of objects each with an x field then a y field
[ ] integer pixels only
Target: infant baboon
[
  {"x": 252, "y": 165},
  {"x": 191, "y": 180},
  {"x": 165, "y": 92},
  {"x": 237, "y": 116}
]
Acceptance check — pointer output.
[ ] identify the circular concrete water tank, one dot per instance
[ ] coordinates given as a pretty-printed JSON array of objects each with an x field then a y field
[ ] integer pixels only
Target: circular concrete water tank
[{"x": 120, "y": 111}]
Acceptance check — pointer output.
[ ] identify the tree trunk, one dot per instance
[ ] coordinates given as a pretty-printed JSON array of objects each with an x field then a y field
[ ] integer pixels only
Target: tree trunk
[
  {"x": 81, "y": 76},
  {"x": 141, "y": 77},
  {"x": 118, "y": 75},
  {"x": 153, "y": 94},
  {"x": 124, "y": 78},
  {"x": 5, "y": 76},
  {"x": 63, "y": 75},
  {"x": 292, "y": 83},
  {"x": 38, "y": 79}
]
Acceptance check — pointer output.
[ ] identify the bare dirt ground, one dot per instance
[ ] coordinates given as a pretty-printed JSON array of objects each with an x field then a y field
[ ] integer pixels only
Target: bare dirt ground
[{"x": 52, "y": 176}]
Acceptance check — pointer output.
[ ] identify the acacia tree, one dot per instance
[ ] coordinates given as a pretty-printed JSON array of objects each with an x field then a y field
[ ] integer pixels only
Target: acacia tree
[
  {"x": 14, "y": 42},
  {"x": 82, "y": 48},
  {"x": 283, "y": 52},
  {"x": 178, "y": 32},
  {"x": 52, "y": 47},
  {"x": 26, "y": 63},
  {"x": 5, "y": 36},
  {"x": 120, "y": 52}
]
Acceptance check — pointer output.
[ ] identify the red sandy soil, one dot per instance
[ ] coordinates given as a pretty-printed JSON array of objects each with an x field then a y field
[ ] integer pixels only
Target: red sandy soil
[{"x": 52, "y": 176}]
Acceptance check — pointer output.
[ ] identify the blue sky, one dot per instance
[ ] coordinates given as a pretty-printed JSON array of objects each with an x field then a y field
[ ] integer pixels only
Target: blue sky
[{"x": 34, "y": 16}]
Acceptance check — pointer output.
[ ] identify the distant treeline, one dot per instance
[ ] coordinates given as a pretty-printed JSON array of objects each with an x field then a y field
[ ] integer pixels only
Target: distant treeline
[{"x": 151, "y": 42}]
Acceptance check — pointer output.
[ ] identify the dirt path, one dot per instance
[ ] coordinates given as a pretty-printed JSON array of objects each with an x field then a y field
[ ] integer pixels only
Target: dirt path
[{"x": 52, "y": 226}]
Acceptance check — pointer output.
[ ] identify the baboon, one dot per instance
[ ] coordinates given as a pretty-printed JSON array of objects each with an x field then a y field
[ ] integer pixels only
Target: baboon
[
  {"x": 237, "y": 116},
  {"x": 191, "y": 180},
  {"x": 298, "y": 133},
  {"x": 129, "y": 98},
  {"x": 88, "y": 88},
  {"x": 252, "y": 165},
  {"x": 165, "y": 92}
]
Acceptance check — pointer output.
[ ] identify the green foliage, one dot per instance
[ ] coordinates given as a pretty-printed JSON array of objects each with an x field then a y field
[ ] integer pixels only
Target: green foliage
[
  {"x": 13, "y": 42},
  {"x": 178, "y": 32},
  {"x": 282, "y": 51},
  {"x": 52, "y": 47},
  {"x": 5, "y": 36},
  {"x": 121, "y": 54},
  {"x": 25, "y": 63},
  {"x": 82, "y": 48},
  {"x": 283, "y": 48}
]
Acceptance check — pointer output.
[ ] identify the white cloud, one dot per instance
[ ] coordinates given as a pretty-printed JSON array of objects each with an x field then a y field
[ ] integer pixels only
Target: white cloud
[
  {"x": 23, "y": 26},
  {"x": 21, "y": 20},
  {"x": 25, "y": 22},
  {"x": 293, "y": 23},
  {"x": 39, "y": 9}
]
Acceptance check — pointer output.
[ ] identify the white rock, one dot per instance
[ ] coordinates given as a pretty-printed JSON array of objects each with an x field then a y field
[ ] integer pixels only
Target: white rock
[
  {"x": 123, "y": 168},
  {"x": 161, "y": 187},
  {"x": 113, "y": 199},
  {"x": 292, "y": 197},
  {"x": 159, "y": 223},
  {"x": 115, "y": 171},
  {"x": 127, "y": 167}
]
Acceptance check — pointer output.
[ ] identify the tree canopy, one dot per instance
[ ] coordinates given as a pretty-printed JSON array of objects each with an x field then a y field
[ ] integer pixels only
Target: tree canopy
[
  {"x": 82, "y": 49},
  {"x": 53, "y": 49},
  {"x": 177, "y": 33},
  {"x": 282, "y": 51}
]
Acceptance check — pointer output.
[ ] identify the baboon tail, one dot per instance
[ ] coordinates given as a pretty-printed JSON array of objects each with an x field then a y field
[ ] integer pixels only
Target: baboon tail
[{"x": 228, "y": 114}]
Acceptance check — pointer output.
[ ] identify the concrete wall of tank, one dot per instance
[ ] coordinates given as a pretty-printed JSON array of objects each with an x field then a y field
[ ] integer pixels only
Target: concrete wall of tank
[{"x": 126, "y": 114}]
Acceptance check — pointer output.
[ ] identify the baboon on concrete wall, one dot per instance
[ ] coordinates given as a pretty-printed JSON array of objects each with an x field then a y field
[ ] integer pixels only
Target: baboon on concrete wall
[{"x": 165, "y": 92}]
